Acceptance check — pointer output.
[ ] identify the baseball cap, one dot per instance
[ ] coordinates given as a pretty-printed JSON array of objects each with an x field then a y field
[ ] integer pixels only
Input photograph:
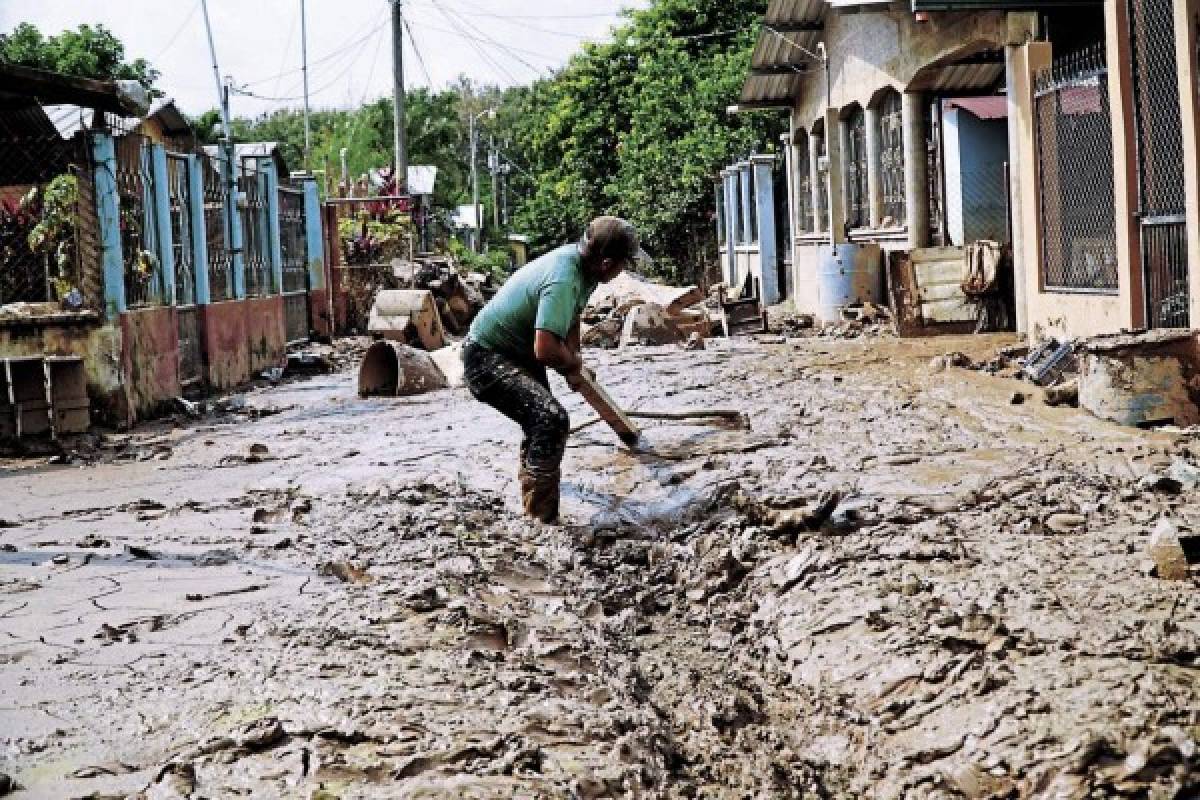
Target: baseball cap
[{"x": 615, "y": 238}]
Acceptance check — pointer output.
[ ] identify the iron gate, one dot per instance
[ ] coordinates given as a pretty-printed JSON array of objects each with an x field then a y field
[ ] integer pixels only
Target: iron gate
[
  {"x": 179, "y": 195},
  {"x": 293, "y": 247},
  {"x": 254, "y": 231},
  {"x": 216, "y": 229},
  {"x": 1161, "y": 193}
]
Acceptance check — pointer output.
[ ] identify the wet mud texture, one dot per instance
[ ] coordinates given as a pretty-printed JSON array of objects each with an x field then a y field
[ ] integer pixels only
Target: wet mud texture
[{"x": 896, "y": 585}]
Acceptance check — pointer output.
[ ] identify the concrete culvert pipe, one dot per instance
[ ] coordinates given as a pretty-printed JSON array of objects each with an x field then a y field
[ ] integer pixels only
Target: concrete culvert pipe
[{"x": 389, "y": 369}]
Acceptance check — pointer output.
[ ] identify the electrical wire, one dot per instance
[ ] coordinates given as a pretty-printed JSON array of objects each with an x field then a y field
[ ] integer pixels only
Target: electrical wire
[
  {"x": 178, "y": 31},
  {"x": 420, "y": 59},
  {"x": 547, "y": 16},
  {"x": 498, "y": 70},
  {"x": 287, "y": 48},
  {"x": 537, "y": 71},
  {"x": 242, "y": 90},
  {"x": 340, "y": 51}
]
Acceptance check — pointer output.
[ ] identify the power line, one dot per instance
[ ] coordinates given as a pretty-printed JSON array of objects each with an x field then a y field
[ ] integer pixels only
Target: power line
[
  {"x": 507, "y": 48},
  {"x": 287, "y": 48},
  {"x": 497, "y": 68},
  {"x": 242, "y": 90},
  {"x": 340, "y": 51},
  {"x": 178, "y": 31},
  {"x": 420, "y": 59},
  {"x": 494, "y": 43},
  {"x": 547, "y": 16}
]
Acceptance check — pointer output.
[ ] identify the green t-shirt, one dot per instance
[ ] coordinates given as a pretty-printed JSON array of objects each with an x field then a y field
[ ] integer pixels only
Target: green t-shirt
[{"x": 548, "y": 294}]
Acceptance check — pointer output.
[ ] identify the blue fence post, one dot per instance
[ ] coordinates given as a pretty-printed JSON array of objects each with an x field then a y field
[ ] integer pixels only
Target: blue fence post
[
  {"x": 160, "y": 195},
  {"x": 314, "y": 240},
  {"x": 274, "y": 244},
  {"x": 237, "y": 259},
  {"x": 108, "y": 217},
  {"x": 768, "y": 246},
  {"x": 199, "y": 229}
]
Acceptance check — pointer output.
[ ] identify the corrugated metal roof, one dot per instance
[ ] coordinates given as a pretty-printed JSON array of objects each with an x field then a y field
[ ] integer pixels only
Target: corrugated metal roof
[
  {"x": 781, "y": 45},
  {"x": 959, "y": 78},
  {"x": 791, "y": 12},
  {"x": 993, "y": 107}
]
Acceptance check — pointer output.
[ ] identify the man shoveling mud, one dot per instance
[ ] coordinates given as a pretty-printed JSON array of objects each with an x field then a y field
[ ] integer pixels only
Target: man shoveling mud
[{"x": 533, "y": 323}]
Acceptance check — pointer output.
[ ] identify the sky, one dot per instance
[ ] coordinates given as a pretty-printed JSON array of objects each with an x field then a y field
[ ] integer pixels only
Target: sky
[{"x": 503, "y": 42}]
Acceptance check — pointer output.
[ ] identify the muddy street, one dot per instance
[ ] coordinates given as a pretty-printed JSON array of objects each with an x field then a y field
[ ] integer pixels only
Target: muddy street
[{"x": 897, "y": 584}]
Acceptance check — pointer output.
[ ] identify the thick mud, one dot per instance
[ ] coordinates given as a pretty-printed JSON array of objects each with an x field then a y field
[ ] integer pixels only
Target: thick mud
[{"x": 896, "y": 584}]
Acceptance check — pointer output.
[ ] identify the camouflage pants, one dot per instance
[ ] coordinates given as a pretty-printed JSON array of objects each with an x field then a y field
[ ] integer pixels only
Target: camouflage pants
[{"x": 521, "y": 393}]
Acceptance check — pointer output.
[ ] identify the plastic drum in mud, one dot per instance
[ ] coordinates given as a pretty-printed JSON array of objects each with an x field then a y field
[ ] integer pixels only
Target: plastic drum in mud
[{"x": 848, "y": 274}]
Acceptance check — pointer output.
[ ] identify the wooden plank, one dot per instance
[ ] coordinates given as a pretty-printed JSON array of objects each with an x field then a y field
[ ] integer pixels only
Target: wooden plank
[
  {"x": 948, "y": 311},
  {"x": 942, "y": 291},
  {"x": 928, "y": 254},
  {"x": 606, "y": 407}
]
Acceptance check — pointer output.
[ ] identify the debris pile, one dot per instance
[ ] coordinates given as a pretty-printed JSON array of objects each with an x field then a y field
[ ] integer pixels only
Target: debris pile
[{"x": 629, "y": 311}]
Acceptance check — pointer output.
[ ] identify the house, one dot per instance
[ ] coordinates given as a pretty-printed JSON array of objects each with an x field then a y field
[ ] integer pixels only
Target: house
[
  {"x": 151, "y": 261},
  {"x": 1065, "y": 131}
]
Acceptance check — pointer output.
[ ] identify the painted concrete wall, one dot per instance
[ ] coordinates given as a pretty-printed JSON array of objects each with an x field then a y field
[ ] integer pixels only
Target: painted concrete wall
[
  {"x": 975, "y": 152},
  {"x": 99, "y": 345},
  {"x": 242, "y": 338},
  {"x": 150, "y": 359}
]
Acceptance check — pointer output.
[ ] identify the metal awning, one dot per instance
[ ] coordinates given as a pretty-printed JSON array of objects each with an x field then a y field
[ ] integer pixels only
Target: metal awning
[{"x": 790, "y": 27}]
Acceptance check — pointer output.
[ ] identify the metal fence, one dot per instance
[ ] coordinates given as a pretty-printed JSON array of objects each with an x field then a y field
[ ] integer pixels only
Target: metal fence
[
  {"x": 293, "y": 248},
  {"x": 183, "y": 246},
  {"x": 1161, "y": 193},
  {"x": 255, "y": 235},
  {"x": 1075, "y": 173},
  {"x": 139, "y": 238},
  {"x": 40, "y": 230},
  {"x": 216, "y": 229},
  {"x": 858, "y": 213}
]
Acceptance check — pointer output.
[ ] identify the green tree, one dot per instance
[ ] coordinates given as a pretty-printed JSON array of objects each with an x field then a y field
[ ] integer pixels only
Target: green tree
[
  {"x": 638, "y": 127},
  {"x": 86, "y": 52}
]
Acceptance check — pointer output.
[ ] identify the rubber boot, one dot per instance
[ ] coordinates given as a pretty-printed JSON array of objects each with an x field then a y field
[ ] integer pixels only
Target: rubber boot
[{"x": 539, "y": 494}]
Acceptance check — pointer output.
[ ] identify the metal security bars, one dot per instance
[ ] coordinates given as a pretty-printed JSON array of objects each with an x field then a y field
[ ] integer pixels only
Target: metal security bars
[
  {"x": 216, "y": 230},
  {"x": 822, "y": 178},
  {"x": 1161, "y": 193},
  {"x": 857, "y": 201},
  {"x": 183, "y": 248},
  {"x": 803, "y": 177},
  {"x": 1075, "y": 174},
  {"x": 136, "y": 210},
  {"x": 891, "y": 159},
  {"x": 292, "y": 244},
  {"x": 254, "y": 231}
]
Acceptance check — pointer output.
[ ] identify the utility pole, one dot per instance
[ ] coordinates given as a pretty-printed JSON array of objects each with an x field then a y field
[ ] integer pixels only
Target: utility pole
[
  {"x": 398, "y": 117},
  {"x": 475, "y": 188},
  {"x": 304, "y": 69},
  {"x": 494, "y": 164}
]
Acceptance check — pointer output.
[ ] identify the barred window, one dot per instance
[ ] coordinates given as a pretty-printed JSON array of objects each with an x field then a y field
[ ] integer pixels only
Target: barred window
[
  {"x": 857, "y": 205},
  {"x": 822, "y": 179},
  {"x": 891, "y": 158},
  {"x": 803, "y": 178}
]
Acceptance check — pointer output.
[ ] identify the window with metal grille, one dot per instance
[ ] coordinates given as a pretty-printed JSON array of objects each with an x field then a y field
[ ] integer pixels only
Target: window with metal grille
[
  {"x": 821, "y": 217},
  {"x": 1075, "y": 175},
  {"x": 891, "y": 159},
  {"x": 857, "y": 205},
  {"x": 803, "y": 178}
]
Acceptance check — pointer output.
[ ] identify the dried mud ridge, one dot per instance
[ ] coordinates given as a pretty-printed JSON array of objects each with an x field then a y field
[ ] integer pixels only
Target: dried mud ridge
[{"x": 895, "y": 586}]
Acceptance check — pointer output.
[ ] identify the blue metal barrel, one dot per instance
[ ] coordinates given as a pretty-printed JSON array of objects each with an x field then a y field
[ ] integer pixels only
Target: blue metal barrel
[{"x": 848, "y": 274}]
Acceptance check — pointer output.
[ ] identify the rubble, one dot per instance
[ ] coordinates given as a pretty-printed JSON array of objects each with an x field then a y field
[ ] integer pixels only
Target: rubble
[
  {"x": 1166, "y": 549},
  {"x": 630, "y": 311}
]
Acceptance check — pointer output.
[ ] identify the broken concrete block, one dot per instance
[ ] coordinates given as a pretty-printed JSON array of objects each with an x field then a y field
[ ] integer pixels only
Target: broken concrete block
[
  {"x": 1064, "y": 394},
  {"x": 1131, "y": 386},
  {"x": 1065, "y": 523},
  {"x": 449, "y": 361},
  {"x": 403, "y": 315},
  {"x": 648, "y": 324},
  {"x": 1188, "y": 475},
  {"x": 1167, "y": 551},
  {"x": 392, "y": 369}
]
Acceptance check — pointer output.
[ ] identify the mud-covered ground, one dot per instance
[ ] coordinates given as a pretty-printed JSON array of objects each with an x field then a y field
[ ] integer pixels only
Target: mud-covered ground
[{"x": 896, "y": 584}]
